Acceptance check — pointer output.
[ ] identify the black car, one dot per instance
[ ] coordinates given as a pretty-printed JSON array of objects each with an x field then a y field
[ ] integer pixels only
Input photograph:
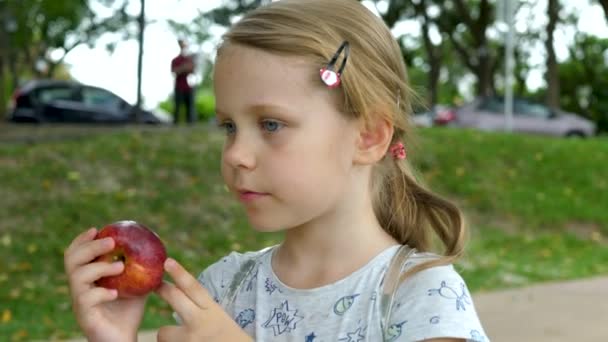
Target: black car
[{"x": 55, "y": 101}]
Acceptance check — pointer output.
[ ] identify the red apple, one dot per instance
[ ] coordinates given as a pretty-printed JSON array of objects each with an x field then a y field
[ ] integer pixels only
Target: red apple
[{"x": 143, "y": 254}]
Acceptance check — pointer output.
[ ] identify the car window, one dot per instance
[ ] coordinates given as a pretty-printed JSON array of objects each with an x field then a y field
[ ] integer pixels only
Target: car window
[
  {"x": 47, "y": 95},
  {"x": 532, "y": 109},
  {"x": 101, "y": 98},
  {"x": 493, "y": 105}
]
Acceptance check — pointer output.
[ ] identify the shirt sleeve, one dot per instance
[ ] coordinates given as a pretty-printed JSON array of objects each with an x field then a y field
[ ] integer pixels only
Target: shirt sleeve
[{"x": 434, "y": 303}]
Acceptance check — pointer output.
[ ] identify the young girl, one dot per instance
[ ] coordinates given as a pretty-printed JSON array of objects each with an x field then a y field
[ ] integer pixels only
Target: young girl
[{"x": 313, "y": 98}]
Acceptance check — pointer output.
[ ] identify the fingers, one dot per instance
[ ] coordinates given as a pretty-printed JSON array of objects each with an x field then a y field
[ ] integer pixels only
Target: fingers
[
  {"x": 169, "y": 333},
  {"x": 183, "y": 306},
  {"x": 84, "y": 276},
  {"x": 188, "y": 284},
  {"x": 85, "y": 252},
  {"x": 95, "y": 296}
]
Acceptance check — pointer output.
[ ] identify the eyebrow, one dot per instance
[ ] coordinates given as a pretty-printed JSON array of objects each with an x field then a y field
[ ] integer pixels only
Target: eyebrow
[{"x": 260, "y": 108}]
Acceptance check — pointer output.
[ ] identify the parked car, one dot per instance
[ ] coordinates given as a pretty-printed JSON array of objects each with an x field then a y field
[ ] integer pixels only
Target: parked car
[
  {"x": 41, "y": 101},
  {"x": 528, "y": 117},
  {"x": 438, "y": 115}
]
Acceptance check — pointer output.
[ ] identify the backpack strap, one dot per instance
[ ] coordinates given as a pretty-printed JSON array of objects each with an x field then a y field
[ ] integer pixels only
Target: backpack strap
[{"x": 390, "y": 285}]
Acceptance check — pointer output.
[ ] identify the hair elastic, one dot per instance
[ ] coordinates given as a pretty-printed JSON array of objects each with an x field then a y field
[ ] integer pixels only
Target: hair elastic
[
  {"x": 398, "y": 151},
  {"x": 328, "y": 75}
]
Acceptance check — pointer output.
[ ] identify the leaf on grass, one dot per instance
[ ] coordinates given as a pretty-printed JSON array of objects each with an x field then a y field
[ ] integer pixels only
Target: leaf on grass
[
  {"x": 21, "y": 266},
  {"x": 6, "y": 240},
  {"x": 15, "y": 293},
  {"x": 61, "y": 289},
  {"x": 73, "y": 176},
  {"x": 6, "y": 316},
  {"x": 19, "y": 335},
  {"x": 32, "y": 248},
  {"x": 46, "y": 184}
]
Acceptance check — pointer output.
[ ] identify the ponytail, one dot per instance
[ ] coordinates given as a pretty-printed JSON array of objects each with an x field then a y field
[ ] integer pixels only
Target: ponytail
[{"x": 409, "y": 212}]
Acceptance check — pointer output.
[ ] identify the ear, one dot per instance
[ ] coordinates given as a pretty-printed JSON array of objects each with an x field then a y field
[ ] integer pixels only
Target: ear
[{"x": 373, "y": 141}]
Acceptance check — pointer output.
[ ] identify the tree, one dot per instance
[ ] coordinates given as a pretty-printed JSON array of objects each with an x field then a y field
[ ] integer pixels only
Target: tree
[
  {"x": 466, "y": 24},
  {"x": 552, "y": 73},
  {"x": 584, "y": 79},
  {"x": 604, "y": 4}
]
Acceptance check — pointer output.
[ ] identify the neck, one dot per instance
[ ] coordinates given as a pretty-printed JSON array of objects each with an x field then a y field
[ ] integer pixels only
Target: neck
[{"x": 331, "y": 246}]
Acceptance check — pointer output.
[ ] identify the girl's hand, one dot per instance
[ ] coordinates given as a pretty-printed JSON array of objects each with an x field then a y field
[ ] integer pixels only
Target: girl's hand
[
  {"x": 202, "y": 318},
  {"x": 99, "y": 313}
]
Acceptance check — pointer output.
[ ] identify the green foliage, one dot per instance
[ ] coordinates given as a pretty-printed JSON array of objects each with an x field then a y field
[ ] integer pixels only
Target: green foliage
[{"x": 533, "y": 195}]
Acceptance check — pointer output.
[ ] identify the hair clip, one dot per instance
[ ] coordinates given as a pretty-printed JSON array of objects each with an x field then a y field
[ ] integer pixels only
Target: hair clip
[{"x": 328, "y": 75}]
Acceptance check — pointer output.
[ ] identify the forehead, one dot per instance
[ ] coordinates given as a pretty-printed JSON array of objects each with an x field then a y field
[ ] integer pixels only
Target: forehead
[{"x": 246, "y": 74}]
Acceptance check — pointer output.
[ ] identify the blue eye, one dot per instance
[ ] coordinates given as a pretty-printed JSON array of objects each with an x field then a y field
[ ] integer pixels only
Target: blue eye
[
  {"x": 229, "y": 127},
  {"x": 271, "y": 125}
]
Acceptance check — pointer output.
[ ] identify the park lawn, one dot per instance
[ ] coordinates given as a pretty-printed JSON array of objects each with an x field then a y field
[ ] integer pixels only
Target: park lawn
[{"x": 536, "y": 206}]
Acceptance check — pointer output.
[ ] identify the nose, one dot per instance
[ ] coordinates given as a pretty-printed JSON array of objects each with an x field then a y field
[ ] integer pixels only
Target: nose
[{"x": 240, "y": 153}]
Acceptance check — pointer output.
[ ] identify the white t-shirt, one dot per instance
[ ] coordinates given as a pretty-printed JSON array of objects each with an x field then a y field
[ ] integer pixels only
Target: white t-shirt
[{"x": 431, "y": 304}]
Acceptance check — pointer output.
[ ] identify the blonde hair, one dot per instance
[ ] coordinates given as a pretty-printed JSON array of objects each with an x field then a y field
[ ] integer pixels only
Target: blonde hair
[{"x": 374, "y": 86}]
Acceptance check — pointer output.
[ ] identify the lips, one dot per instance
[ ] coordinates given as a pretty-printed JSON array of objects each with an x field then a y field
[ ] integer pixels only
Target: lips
[{"x": 249, "y": 196}]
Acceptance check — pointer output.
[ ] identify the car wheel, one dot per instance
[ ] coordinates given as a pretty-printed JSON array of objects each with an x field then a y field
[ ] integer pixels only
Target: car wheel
[
  {"x": 575, "y": 134},
  {"x": 25, "y": 119}
]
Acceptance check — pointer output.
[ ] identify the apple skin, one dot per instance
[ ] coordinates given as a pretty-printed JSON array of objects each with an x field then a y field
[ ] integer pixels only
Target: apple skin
[{"x": 143, "y": 254}]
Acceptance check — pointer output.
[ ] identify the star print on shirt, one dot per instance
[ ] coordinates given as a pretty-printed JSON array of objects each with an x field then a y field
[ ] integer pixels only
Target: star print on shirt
[
  {"x": 282, "y": 319},
  {"x": 355, "y": 336}
]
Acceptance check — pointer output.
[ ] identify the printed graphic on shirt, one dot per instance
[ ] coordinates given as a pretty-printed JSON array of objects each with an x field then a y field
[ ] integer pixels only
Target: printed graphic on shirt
[
  {"x": 311, "y": 337},
  {"x": 271, "y": 286},
  {"x": 394, "y": 331},
  {"x": 252, "y": 280},
  {"x": 245, "y": 318},
  {"x": 344, "y": 303},
  {"x": 447, "y": 292},
  {"x": 355, "y": 336},
  {"x": 282, "y": 319},
  {"x": 434, "y": 320},
  {"x": 477, "y": 336}
]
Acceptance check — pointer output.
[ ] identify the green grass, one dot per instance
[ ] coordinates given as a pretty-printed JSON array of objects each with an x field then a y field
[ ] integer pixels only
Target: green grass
[{"x": 537, "y": 208}]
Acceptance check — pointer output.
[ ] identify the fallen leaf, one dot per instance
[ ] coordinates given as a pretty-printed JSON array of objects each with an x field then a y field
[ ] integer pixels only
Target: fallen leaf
[
  {"x": 19, "y": 335},
  {"x": 32, "y": 248},
  {"x": 6, "y": 240},
  {"x": 15, "y": 293},
  {"x": 6, "y": 316},
  {"x": 74, "y": 176},
  {"x": 61, "y": 289}
]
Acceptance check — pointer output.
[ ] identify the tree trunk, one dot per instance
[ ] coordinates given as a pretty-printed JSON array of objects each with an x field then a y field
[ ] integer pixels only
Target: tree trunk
[
  {"x": 3, "y": 98},
  {"x": 552, "y": 73},
  {"x": 433, "y": 52},
  {"x": 142, "y": 24},
  {"x": 604, "y": 4}
]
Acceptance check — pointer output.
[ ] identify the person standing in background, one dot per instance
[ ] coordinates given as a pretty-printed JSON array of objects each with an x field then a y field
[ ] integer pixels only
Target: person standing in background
[{"x": 183, "y": 94}]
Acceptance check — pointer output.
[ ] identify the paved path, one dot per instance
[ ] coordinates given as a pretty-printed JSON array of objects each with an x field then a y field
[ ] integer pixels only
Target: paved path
[{"x": 551, "y": 312}]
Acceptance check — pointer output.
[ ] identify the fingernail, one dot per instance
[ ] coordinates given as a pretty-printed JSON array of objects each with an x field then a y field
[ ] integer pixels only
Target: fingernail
[{"x": 169, "y": 264}]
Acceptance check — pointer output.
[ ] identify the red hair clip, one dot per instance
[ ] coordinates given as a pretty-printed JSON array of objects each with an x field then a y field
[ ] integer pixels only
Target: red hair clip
[
  {"x": 398, "y": 150},
  {"x": 330, "y": 77}
]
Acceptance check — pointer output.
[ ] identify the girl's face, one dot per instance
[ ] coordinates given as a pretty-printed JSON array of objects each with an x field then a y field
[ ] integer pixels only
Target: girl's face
[{"x": 288, "y": 153}]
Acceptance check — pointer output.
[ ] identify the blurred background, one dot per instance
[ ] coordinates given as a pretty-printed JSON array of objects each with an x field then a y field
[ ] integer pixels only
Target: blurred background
[{"x": 513, "y": 126}]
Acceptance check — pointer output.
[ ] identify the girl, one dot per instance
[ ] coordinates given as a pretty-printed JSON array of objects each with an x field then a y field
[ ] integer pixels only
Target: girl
[{"x": 313, "y": 98}]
